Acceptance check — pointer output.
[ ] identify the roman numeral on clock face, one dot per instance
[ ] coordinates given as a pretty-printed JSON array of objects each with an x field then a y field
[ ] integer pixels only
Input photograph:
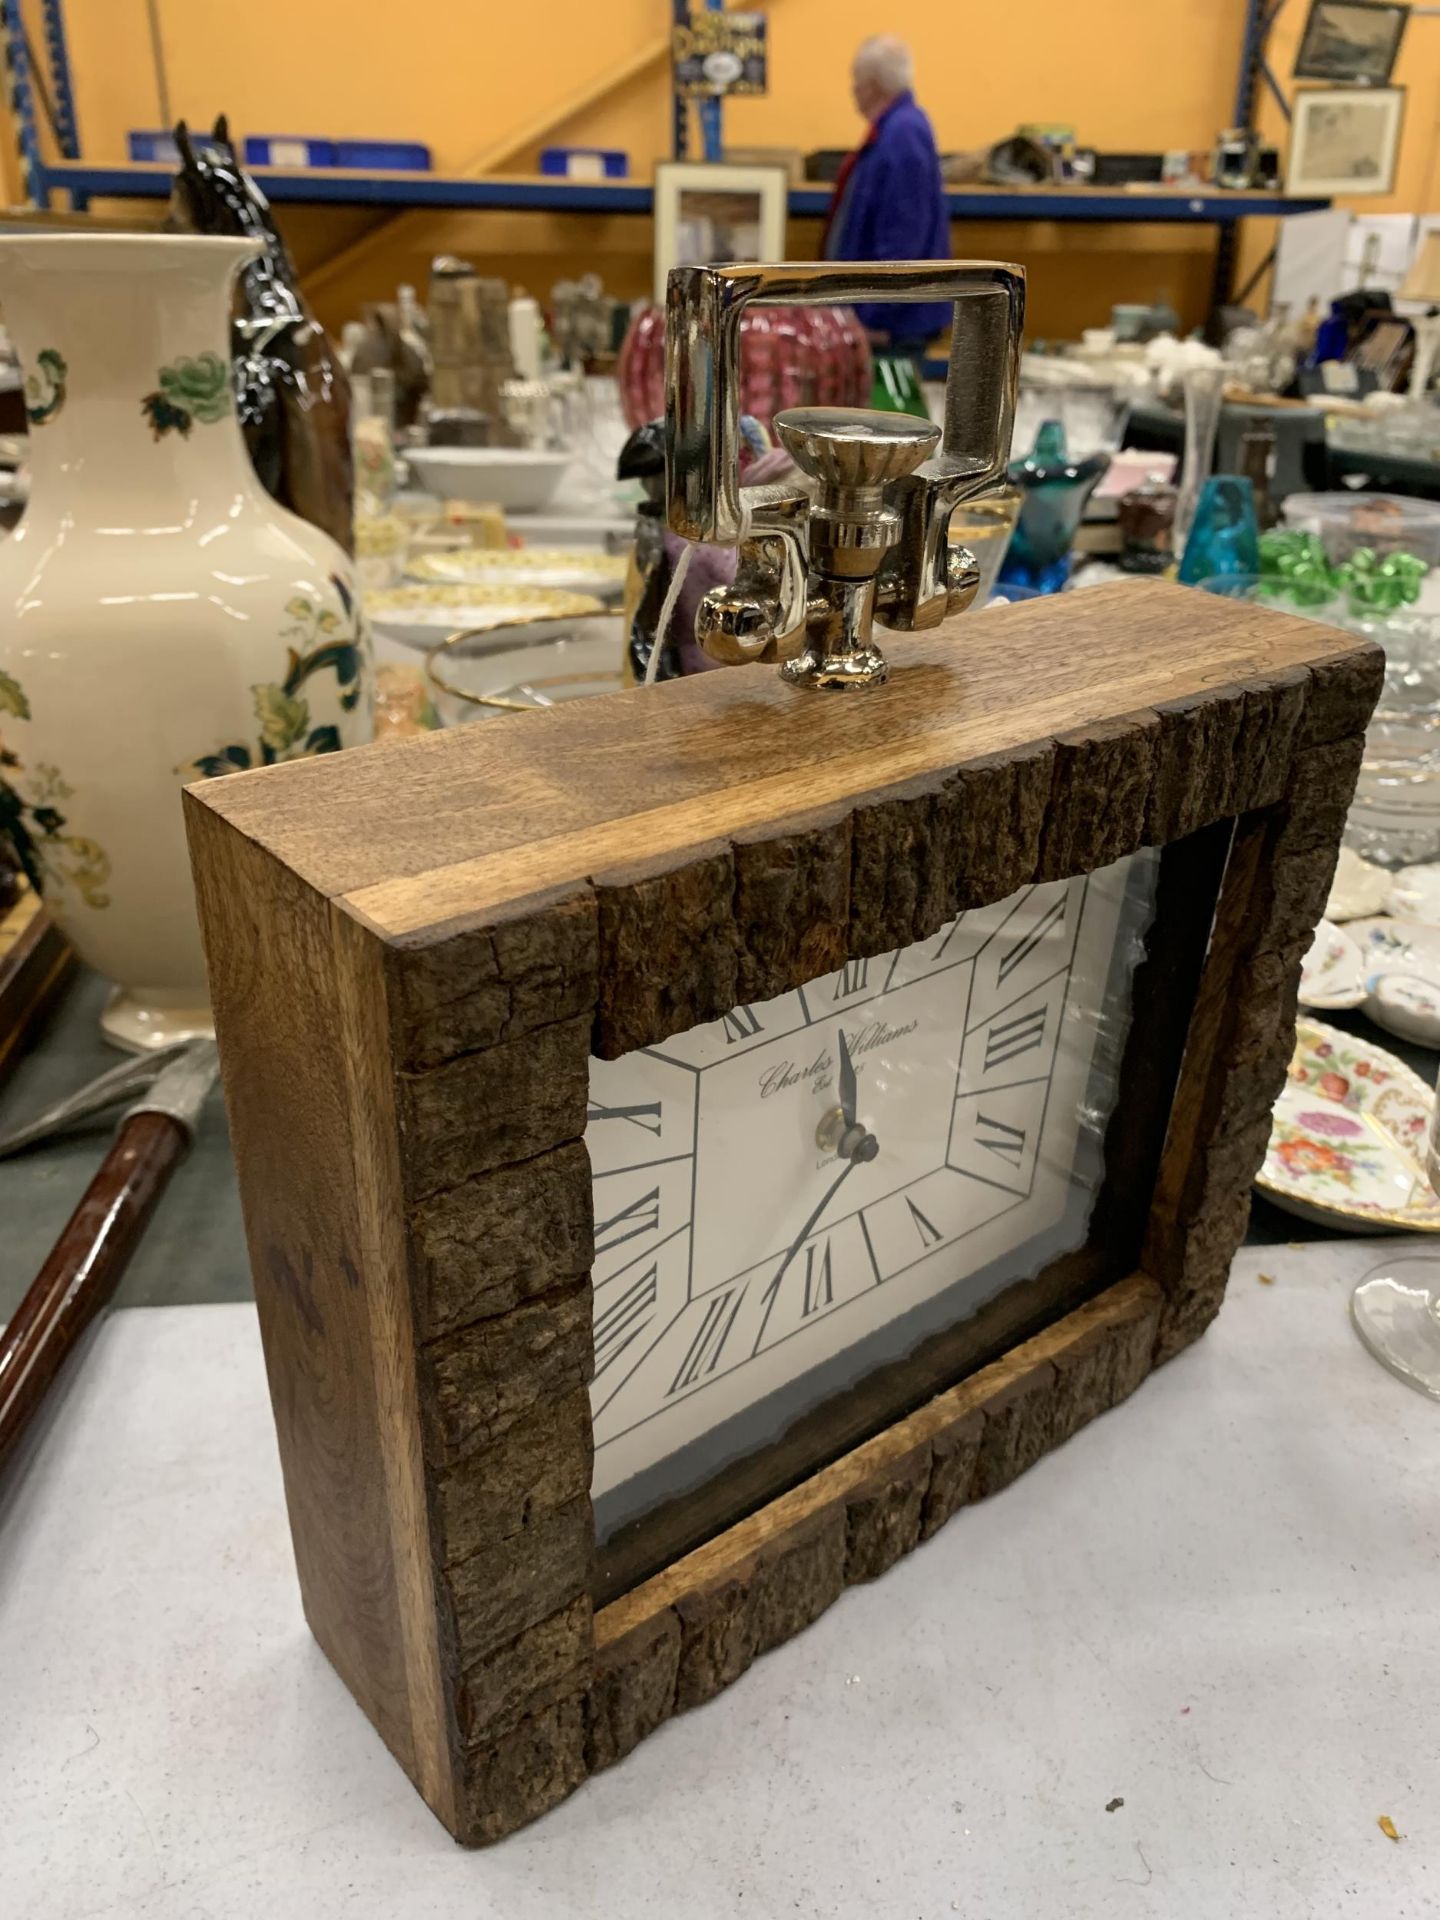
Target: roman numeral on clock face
[
  {"x": 702, "y": 1356},
  {"x": 824, "y": 1275},
  {"x": 1000, "y": 1138},
  {"x": 853, "y": 977},
  {"x": 641, "y": 1216},
  {"x": 949, "y": 935},
  {"x": 740, "y": 1024},
  {"x": 646, "y": 1117},
  {"x": 997, "y": 1132},
  {"x": 1008, "y": 1039},
  {"x": 817, "y": 1275},
  {"x": 930, "y": 1234},
  {"x": 818, "y": 1289},
  {"x": 623, "y": 1319},
  {"x": 1019, "y": 951}
]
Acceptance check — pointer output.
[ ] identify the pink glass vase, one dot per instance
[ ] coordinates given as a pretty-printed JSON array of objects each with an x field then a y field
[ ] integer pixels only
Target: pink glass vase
[{"x": 789, "y": 357}]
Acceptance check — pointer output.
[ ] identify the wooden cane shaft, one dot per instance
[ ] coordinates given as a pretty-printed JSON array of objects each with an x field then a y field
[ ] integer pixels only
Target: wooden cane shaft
[{"x": 84, "y": 1267}]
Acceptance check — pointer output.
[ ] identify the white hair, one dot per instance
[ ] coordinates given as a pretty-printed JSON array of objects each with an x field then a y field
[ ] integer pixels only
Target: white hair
[{"x": 888, "y": 62}]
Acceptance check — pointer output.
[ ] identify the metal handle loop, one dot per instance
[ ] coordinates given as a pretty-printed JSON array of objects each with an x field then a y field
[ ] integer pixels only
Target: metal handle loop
[{"x": 703, "y": 308}]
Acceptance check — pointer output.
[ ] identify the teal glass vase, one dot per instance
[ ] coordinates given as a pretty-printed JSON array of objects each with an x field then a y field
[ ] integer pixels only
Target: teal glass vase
[
  {"x": 1223, "y": 537},
  {"x": 1055, "y": 489}
]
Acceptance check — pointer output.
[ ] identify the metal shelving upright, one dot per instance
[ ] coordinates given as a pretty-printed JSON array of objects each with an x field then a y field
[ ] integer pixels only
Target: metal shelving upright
[{"x": 70, "y": 174}]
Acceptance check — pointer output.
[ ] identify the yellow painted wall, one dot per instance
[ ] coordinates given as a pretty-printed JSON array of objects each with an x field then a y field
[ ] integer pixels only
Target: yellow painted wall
[{"x": 475, "y": 76}]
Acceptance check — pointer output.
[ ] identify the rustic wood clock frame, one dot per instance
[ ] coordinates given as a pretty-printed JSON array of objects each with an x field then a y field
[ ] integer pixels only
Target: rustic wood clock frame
[{"x": 413, "y": 949}]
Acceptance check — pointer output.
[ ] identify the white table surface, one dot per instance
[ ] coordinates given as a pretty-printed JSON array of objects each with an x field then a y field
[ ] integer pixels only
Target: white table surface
[{"x": 1219, "y": 1604}]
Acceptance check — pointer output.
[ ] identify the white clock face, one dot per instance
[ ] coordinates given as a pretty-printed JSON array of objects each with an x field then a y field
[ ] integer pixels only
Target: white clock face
[{"x": 739, "y": 1256}]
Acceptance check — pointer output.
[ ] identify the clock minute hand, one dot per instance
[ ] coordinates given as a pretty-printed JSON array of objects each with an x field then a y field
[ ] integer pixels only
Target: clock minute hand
[{"x": 864, "y": 1149}]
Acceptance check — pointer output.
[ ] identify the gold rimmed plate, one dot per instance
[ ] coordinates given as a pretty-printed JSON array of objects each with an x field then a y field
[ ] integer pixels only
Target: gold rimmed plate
[
  {"x": 526, "y": 665},
  {"x": 422, "y": 615},
  {"x": 1347, "y": 1137},
  {"x": 574, "y": 569}
]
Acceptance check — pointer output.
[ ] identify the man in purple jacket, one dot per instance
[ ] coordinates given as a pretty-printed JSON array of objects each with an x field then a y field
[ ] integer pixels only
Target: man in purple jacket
[{"x": 889, "y": 202}]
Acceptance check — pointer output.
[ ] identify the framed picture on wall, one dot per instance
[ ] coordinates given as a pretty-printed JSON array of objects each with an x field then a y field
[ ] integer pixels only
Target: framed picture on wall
[
  {"x": 1344, "y": 140},
  {"x": 709, "y": 215},
  {"x": 1354, "y": 41}
]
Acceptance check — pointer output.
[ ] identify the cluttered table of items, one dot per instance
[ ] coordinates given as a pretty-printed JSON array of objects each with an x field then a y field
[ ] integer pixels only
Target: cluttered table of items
[
  {"x": 505, "y": 578},
  {"x": 543, "y": 591},
  {"x": 194, "y": 1251}
]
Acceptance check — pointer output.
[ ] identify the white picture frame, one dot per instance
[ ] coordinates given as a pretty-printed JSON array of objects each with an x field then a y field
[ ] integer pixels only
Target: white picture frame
[
  {"x": 708, "y": 214},
  {"x": 1344, "y": 141}
]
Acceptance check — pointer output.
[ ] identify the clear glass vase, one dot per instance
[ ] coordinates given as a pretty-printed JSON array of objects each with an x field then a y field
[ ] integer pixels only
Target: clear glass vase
[{"x": 1204, "y": 388}]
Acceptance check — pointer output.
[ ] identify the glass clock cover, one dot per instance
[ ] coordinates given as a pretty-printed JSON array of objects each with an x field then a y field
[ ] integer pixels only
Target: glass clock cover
[{"x": 745, "y": 1270}]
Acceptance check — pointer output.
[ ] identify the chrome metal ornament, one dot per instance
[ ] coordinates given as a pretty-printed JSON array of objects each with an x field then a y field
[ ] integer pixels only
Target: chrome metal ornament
[{"x": 865, "y": 539}]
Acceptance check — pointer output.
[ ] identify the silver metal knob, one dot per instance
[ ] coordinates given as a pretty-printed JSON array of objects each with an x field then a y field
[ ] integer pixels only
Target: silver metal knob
[
  {"x": 844, "y": 447},
  {"x": 852, "y": 455}
]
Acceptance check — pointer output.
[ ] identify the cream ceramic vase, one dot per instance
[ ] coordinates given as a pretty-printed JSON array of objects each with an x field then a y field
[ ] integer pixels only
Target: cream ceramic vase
[{"x": 164, "y": 618}]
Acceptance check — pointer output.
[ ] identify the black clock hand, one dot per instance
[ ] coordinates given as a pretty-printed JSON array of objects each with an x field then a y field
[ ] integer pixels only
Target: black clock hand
[
  {"x": 849, "y": 1093},
  {"x": 865, "y": 1148}
]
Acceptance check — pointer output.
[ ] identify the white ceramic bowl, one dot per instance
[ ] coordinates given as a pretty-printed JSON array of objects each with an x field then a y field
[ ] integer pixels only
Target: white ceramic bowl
[{"x": 517, "y": 478}]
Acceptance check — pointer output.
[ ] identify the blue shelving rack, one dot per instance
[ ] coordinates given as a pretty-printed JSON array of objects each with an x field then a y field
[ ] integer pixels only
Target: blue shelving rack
[{"x": 67, "y": 173}]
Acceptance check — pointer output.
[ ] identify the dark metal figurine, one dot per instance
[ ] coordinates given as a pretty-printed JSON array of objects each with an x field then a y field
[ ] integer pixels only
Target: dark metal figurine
[
  {"x": 642, "y": 458},
  {"x": 291, "y": 392}
]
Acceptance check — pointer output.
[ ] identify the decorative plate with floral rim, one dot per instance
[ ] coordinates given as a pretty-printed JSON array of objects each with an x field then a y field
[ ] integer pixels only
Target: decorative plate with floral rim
[{"x": 1347, "y": 1138}]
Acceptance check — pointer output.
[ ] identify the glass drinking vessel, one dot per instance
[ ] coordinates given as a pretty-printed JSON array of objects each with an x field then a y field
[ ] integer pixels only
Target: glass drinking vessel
[
  {"x": 1396, "y": 1307},
  {"x": 1204, "y": 390}
]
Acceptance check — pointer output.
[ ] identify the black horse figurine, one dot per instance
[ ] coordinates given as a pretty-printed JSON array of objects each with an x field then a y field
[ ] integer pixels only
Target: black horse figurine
[{"x": 292, "y": 394}]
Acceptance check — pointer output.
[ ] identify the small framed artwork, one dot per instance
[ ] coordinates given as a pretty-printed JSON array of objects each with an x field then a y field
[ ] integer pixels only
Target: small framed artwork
[
  {"x": 1351, "y": 41},
  {"x": 706, "y": 216},
  {"x": 1345, "y": 140}
]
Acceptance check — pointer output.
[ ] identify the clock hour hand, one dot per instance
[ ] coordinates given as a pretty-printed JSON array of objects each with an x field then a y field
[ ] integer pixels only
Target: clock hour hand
[
  {"x": 840, "y": 1131},
  {"x": 849, "y": 1092}
]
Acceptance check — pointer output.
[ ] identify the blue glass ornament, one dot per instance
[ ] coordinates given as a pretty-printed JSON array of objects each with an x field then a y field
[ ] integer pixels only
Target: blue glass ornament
[
  {"x": 1223, "y": 538},
  {"x": 1055, "y": 489}
]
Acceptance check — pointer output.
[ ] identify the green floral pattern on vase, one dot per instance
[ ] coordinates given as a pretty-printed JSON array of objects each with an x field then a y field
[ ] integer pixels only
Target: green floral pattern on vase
[
  {"x": 45, "y": 388},
  {"x": 189, "y": 390},
  {"x": 322, "y": 641},
  {"x": 35, "y": 827}
]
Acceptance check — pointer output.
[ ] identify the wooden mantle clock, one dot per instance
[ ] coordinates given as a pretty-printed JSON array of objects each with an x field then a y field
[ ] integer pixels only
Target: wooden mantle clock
[{"x": 695, "y": 1142}]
